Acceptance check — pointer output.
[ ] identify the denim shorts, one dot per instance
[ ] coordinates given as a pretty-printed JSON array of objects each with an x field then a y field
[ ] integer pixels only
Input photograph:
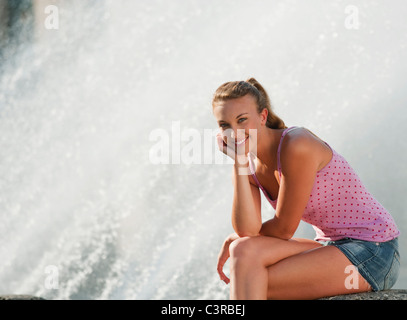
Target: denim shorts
[{"x": 377, "y": 262}]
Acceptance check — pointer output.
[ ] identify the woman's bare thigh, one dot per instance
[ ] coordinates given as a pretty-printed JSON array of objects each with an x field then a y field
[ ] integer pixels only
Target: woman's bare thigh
[{"x": 313, "y": 274}]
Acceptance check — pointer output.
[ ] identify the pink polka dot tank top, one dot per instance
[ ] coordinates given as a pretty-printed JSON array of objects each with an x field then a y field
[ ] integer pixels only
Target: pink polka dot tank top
[{"x": 339, "y": 205}]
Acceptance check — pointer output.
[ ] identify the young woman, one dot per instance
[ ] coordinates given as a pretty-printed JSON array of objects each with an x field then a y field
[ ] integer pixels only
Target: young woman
[{"x": 303, "y": 178}]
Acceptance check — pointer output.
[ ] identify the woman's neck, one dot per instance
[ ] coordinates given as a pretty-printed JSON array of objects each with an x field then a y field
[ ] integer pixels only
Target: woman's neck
[{"x": 267, "y": 147}]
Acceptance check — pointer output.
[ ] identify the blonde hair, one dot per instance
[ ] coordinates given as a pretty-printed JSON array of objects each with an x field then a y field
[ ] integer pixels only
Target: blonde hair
[{"x": 237, "y": 89}]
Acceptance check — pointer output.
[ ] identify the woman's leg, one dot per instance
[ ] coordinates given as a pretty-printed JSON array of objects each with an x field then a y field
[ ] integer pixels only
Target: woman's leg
[
  {"x": 267, "y": 267},
  {"x": 250, "y": 257},
  {"x": 322, "y": 272}
]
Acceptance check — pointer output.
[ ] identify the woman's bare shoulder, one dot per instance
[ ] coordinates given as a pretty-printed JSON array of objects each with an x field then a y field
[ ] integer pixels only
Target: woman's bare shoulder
[
  {"x": 304, "y": 144},
  {"x": 303, "y": 138}
]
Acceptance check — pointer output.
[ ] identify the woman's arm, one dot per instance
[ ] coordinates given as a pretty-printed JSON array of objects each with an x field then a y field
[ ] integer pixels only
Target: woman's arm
[
  {"x": 299, "y": 163},
  {"x": 246, "y": 209},
  {"x": 246, "y": 215}
]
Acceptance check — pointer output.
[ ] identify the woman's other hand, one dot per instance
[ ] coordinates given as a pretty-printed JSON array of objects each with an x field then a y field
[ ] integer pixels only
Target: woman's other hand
[{"x": 224, "y": 256}]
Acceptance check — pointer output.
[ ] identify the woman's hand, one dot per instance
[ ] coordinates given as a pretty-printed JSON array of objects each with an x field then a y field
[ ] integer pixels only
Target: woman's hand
[
  {"x": 224, "y": 256},
  {"x": 231, "y": 150}
]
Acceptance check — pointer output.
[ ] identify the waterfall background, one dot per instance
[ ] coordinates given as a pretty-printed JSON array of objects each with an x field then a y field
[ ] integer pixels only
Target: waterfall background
[{"x": 77, "y": 106}]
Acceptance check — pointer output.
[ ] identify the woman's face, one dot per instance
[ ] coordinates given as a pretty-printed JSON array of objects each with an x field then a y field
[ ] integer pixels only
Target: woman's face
[{"x": 237, "y": 118}]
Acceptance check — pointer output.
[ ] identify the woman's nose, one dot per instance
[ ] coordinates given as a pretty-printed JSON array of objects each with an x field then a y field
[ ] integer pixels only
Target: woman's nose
[{"x": 231, "y": 134}]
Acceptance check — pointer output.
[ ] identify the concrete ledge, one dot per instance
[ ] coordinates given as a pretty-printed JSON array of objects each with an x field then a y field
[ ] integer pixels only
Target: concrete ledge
[
  {"x": 394, "y": 294},
  {"x": 19, "y": 297}
]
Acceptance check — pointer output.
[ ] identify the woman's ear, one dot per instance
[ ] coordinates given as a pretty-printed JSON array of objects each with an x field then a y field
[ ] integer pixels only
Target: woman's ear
[{"x": 263, "y": 116}]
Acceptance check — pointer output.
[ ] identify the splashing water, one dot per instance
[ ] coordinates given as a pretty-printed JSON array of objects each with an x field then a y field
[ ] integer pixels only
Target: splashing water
[{"x": 77, "y": 106}]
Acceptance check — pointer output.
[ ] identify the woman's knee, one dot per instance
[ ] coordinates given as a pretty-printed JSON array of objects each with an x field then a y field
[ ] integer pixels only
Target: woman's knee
[{"x": 243, "y": 248}]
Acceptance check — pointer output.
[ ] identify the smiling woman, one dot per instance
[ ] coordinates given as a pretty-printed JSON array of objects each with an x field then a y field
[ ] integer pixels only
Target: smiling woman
[
  {"x": 250, "y": 101},
  {"x": 303, "y": 178}
]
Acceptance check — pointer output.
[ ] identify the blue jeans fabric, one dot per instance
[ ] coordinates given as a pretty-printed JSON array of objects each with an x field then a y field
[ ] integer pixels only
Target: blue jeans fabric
[{"x": 377, "y": 262}]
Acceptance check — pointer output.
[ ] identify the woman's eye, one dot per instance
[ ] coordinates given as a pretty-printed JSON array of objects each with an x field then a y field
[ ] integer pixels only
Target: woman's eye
[{"x": 225, "y": 125}]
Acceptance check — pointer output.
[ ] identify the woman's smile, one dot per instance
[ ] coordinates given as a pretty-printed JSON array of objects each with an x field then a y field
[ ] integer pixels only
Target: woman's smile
[{"x": 240, "y": 142}]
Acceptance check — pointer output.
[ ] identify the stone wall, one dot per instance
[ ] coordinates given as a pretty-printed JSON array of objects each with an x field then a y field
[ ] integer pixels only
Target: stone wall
[{"x": 396, "y": 294}]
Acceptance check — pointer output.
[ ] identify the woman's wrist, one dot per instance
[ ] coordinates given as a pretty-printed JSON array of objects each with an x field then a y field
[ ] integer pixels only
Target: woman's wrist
[
  {"x": 242, "y": 165},
  {"x": 241, "y": 160}
]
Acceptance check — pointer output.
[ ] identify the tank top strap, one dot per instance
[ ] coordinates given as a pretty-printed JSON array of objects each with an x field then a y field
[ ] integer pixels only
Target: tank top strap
[
  {"x": 279, "y": 146},
  {"x": 253, "y": 170}
]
